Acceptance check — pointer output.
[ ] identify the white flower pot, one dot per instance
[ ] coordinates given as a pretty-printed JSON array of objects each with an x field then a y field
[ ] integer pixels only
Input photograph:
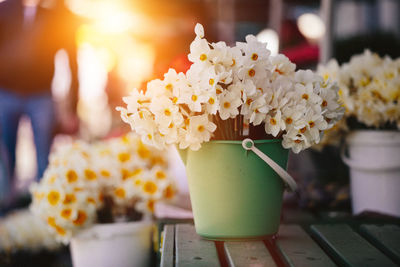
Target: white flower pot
[
  {"x": 374, "y": 161},
  {"x": 116, "y": 244}
]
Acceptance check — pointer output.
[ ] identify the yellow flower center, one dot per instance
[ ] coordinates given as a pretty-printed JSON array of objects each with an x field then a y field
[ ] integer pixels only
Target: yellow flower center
[
  {"x": 150, "y": 187},
  {"x": 125, "y": 174},
  {"x": 167, "y": 112},
  {"x": 150, "y": 205},
  {"x": 124, "y": 157},
  {"x": 252, "y": 72},
  {"x": 161, "y": 175},
  {"x": 69, "y": 199},
  {"x": 248, "y": 101},
  {"x": 211, "y": 81},
  {"x": 169, "y": 87},
  {"x": 137, "y": 171},
  {"x": 169, "y": 192},
  {"x": 72, "y": 176},
  {"x": 311, "y": 123},
  {"x": 174, "y": 100},
  {"x": 203, "y": 57},
  {"x": 194, "y": 98},
  {"x": 51, "y": 221},
  {"x": 53, "y": 197},
  {"x": 303, "y": 130},
  {"x": 211, "y": 101},
  {"x": 120, "y": 192},
  {"x": 324, "y": 103},
  {"x": 66, "y": 213},
  {"x": 200, "y": 128},
  {"x": 138, "y": 182},
  {"x": 91, "y": 200},
  {"x": 305, "y": 96},
  {"x": 297, "y": 141},
  {"x": 105, "y": 173},
  {"x": 90, "y": 175},
  {"x": 272, "y": 121},
  {"x": 60, "y": 230},
  {"x": 289, "y": 120},
  {"x": 227, "y": 105},
  {"x": 143, "y": 151},
  {"x": 81, "y": 218},
  {"x": 254, "y": 56},
  {"x": 233, "y": 62}
]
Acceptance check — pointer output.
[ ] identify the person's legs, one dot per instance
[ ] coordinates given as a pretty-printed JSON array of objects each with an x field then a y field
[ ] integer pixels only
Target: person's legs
[
  {"x": 10, "y": 113},
  {"x": 40, "y": 110}
]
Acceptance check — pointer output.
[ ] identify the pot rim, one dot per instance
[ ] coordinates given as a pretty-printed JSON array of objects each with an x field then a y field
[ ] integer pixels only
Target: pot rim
[
  {"x": 111, "y": 230},
  {"x": 373, "y": 137}
]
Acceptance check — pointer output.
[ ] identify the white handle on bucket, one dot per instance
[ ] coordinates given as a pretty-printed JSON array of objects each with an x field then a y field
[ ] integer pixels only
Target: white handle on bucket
[{"x": 248, "y": 144}]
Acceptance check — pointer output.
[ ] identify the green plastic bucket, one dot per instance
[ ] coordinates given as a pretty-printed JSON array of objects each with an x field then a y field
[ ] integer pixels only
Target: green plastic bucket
[{"x": 234, "y": 193}]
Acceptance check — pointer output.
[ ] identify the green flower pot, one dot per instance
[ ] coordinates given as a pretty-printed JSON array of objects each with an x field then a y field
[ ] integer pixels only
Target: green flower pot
[{"x": 234, "y": 193}]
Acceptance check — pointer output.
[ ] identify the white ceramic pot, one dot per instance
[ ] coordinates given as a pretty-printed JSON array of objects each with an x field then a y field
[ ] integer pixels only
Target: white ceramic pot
[
  {"x": 116, "y": 245},
  {"x": 374, "y": 161}
]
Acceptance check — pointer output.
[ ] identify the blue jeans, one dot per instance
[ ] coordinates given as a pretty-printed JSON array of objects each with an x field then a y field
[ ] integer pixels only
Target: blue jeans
[{"x": 40, "y": 110}]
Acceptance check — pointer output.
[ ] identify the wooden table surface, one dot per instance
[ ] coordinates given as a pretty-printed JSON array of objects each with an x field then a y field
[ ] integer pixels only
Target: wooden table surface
[{"x": 332, "y": 244}]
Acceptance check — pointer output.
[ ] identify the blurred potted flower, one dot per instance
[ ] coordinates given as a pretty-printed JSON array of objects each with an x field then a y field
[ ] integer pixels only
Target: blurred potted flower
[
  {"x": 101, "y": 197},
  {"x": 231, "y": 100},
  {"x": 370, "y": 90}
]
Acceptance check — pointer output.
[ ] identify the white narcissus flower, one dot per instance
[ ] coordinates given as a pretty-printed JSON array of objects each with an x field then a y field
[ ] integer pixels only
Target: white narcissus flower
[
  {"x": 200, "y": 52},
  {"x": 330, "y": 70},
  {"x": 274, "y": 124},
  {"x": 291, "y": 115},
  {"x": 230, "y": 102},
  {"x": 306, "y": 92},
  {"x": 296, "y": 141},
  {"x": 255, "y": 51},
  {"x": 253, "y": 72},
  {"x": 282, "y": 66},
  {"x": 314, "y": 125},
  {"x": 166, "y": 112},
  {"x": 212, "y": 104},
  {"x": 136, "y": 100},
  {"x": 194, "y": 99},
  {"x": 199, "y": 130},
  {"x": 259, "y": 109}
]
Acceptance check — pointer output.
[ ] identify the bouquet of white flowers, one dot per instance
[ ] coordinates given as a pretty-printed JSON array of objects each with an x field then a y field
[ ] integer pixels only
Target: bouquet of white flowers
[
  {"x": 83, "y": 181},
  {"x": 20, "y": 230},
  {"x": 228, "y": 94},
  {"x": 370, "y": 90}
]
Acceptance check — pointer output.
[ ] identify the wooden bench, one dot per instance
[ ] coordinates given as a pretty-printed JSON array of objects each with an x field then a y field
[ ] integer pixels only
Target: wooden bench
[{"x": 337, "y": 244}]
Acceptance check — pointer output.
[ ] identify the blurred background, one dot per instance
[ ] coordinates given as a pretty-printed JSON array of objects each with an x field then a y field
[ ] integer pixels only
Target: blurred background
[{"x": 98, "y": 50}]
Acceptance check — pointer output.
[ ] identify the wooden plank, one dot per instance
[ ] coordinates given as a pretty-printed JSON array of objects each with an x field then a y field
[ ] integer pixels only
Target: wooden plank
[
  {"x": 168, "y": 243},
  {"x": 297, "y": 216},
  {"x": 252, "y": 253},
  {"x": 192, "y": 250},
  {"x": 347, "y": 247},
  {"x": 386, "y": 237},
  {"x": 298, "y": 249}
]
